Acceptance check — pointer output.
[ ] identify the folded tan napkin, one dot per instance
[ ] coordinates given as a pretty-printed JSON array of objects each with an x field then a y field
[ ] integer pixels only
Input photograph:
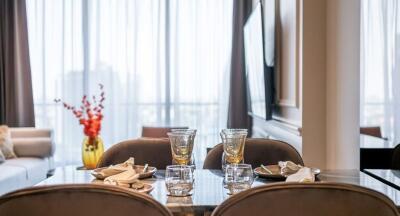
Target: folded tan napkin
[
  {"x": 288, "y": 167},
  {"x": 129, "y": 176},
  {"x": 304, "y": 175},
  {"x": 116, "y": 169}
]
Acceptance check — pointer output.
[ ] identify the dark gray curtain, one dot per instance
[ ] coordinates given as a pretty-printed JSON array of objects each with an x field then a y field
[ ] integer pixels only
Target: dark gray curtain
[
  {"x": 237, "y": 113},
  {"x": 16, "y": 100}
]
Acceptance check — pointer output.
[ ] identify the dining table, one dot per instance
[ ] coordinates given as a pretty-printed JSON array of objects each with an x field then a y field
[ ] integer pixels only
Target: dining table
[
  {"x": 387, "y": 176},
  {"x": 209, "y": 191}
]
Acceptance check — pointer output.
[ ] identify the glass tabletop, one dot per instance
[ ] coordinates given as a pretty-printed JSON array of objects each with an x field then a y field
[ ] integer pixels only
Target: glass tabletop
[
  {"x": 388, "y": 176},
  {"x": 208, "y": 188}
]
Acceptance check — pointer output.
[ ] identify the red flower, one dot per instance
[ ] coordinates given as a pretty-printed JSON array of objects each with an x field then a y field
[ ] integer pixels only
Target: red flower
[{"x": 89, "y": 116}]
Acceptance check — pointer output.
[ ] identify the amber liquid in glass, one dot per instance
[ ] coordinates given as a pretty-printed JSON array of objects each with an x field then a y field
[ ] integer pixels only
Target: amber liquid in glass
[
  {"x": 234, "y": 149},
  {"x": 181, "y": 154}
]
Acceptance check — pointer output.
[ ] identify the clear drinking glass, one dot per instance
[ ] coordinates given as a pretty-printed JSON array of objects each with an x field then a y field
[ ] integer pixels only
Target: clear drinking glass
[
  {"x": 181, "y": 147},
  {"x": 233, "y": 142},
  {"x": 179, "y": 180},
  {"x": 191, "y": 140},
  {"x": 238, "y": 177}
]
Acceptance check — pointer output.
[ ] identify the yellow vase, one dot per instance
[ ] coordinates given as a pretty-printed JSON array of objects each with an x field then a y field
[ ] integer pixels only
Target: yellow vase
[{"x": 92, "y": 150}]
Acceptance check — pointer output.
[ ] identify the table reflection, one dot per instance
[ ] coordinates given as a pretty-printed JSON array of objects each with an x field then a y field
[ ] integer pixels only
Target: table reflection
[{"x": 208, "y": 190}]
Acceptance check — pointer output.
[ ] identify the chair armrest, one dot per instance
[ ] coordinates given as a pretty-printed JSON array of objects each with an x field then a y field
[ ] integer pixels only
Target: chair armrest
[
  {"x": 25, "y": 132},
  {"x": 41, "y": 147}
]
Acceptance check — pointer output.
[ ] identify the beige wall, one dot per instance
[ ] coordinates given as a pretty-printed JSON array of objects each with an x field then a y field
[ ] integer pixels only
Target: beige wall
[
  {"x": 288, "y": 78},
  {"x": 287, "y": 115},
  {"x": 314, "y": 82},
  {"x": 343, "y": 83},
  {"x": 318, "y": 82}
]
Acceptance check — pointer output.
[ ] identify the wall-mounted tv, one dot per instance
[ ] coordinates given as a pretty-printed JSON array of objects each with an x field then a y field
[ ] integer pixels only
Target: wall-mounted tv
[{"x": 259, "y": 40}]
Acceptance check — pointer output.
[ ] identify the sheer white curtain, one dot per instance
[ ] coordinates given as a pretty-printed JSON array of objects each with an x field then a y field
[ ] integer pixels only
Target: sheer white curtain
[
  {"x": 380, "y": 66},
  {"x": 161, "y": 62}
]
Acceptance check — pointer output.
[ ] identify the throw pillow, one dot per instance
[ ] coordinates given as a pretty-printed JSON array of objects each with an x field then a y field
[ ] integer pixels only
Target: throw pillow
[
  {"x": 6, "y": 145},
  {"x": 2, "y": 158}
]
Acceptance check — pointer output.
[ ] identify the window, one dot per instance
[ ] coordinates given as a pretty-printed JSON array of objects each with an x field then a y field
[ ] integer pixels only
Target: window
[
  {"x": 161, "y": 62},
  {"x": 380, "y": 66}
]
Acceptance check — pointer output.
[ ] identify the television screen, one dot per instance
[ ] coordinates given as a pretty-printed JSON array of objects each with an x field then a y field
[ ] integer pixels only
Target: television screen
[{"x": 254, "y": 58}]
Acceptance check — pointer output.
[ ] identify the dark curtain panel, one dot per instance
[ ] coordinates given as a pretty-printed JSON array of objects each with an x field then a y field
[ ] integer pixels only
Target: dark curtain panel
[
  {"x": 16, "y": 100},
  {"x": 237, "y": 114}
]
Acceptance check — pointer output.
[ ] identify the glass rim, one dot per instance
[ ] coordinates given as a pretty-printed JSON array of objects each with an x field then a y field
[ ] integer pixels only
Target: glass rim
[
  {"x": 184, "y": 130},
  {"x": 179, "y": 133},
  {"x": 241, "y": 165},
  {"x": 177, "y": 166},
  {"x": 234, "y": 130}
]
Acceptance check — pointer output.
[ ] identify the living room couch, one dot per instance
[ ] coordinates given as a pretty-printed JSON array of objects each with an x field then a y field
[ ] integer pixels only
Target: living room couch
[{"x": 34, "y": 149}]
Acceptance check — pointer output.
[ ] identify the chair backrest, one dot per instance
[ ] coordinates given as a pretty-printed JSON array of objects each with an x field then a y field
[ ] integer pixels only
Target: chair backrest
[
  {"x": 158, "y": 132},
  {"x": 288, "y": 199},
  {"x": 153, "y": 151},
  {"x": 257, "y": 151},
  {"x": 371, "y": 131},
  {"x": 79, "y": 200}
]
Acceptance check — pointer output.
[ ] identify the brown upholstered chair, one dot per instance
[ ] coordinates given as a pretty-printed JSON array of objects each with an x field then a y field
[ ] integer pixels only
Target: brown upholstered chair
[
  {"x": 256, "y": 152},
  {"x": 158, "y": 132},
  {"x": 372, "y": 131},
  {"x": 153, "y": 151},
  {"x": 327, "y": 199},
  {"x": 79, "y": 200}
]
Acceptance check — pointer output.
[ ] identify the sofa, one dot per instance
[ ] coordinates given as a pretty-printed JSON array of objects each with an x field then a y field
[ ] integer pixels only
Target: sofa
[{"x": 34, "y": 149}]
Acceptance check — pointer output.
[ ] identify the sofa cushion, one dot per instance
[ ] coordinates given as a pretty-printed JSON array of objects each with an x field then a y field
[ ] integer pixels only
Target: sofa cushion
[
  {"x": 12, "y": 178},
  {"x": 6, "y": 145},
  {"x": 40, "y": 147},
  {"x": 35, "y": 168},
  {"x": 29, "y": 132}
]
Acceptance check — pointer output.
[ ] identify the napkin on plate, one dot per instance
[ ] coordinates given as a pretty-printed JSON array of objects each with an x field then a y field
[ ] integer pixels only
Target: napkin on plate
[
  {"x": 124, "y": 178},
  {"x": 116, "y": 169},
  {"x": 288, "y": 167},
  {"x": 304, "y": 175}
]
